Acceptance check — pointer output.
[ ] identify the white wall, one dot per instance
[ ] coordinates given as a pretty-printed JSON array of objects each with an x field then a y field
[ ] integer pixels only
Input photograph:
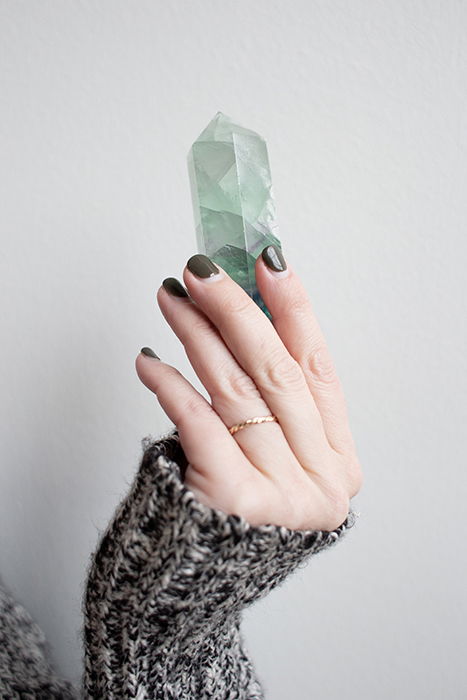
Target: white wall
[{"x": 363, "y": 105}]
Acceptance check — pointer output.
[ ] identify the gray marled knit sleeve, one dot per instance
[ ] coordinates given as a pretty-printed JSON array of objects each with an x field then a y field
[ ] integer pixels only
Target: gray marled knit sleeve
[{"x": 167, "y": 585}]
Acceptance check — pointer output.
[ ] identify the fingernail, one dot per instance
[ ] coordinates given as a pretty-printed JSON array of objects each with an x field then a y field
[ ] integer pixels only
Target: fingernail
[
  {"x": 272, "y": 256},
  {"x": 202, "y": 266},
  {"x": 149, "y": 353},
  {"x": 173, "y": 287}
]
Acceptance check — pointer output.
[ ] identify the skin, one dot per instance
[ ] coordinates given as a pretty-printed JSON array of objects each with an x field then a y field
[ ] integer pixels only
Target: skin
[{"x": 300, "y": 472}]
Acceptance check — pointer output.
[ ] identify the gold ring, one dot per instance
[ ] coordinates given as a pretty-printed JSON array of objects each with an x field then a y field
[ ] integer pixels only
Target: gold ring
[{"x": 252, "y": 421}]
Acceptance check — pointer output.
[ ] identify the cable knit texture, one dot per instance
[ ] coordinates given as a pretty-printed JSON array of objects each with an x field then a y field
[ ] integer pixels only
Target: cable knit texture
[{"x": 166, "y": 588}]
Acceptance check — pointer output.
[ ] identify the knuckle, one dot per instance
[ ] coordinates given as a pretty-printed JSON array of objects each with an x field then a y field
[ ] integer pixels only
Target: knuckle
[
  {"x": 234, "y": 385},
  {"x": 282, "y": 373},
  {"x": 199, "y": 327},
  {"x": 171, "y": 374},
  {"x": 298, "y": 305},
  {"x": 236, "y": 304},
  {"x": 194, "y": 408},
  {"x": 322, "y": 366}
]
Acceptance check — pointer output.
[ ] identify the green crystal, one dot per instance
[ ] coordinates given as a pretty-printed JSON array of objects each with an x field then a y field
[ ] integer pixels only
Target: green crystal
[{"x": 233, "y": 202}]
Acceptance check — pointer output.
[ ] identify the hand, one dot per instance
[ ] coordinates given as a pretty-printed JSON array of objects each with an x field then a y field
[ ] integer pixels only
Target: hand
[{"x": 300, "y": 472}]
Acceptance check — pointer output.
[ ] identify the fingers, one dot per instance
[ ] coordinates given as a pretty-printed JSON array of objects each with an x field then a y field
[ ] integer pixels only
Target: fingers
[
  {"x": 234, "y": 395},
  {"x": 297, "y": 326},
  {"x": 195, "y": 419},
  {"x": 258, "y": 349},
  {"x": 220, "y": 475},
  {"x": 247, "y": 363}
]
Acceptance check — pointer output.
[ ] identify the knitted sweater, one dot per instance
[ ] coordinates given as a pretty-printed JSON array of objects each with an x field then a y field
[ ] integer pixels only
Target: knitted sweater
[{"x": 164, "y": 596}]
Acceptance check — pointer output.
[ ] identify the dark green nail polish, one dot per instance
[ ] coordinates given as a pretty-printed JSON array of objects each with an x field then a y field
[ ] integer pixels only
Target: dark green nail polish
[
  {"x": 201, "y": 266},
  {"x": 149, "y": 353},
  {"x": 173, "y": 287},
  {"x": 272, "y": 256}
]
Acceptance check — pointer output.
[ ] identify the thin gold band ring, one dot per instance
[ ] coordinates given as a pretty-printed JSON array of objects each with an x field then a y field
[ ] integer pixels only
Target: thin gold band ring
[{"x": 252, "y": 421}]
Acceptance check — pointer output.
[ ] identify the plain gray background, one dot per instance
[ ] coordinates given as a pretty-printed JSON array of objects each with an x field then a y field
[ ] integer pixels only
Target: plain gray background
[{"x": 364, "y": 109}]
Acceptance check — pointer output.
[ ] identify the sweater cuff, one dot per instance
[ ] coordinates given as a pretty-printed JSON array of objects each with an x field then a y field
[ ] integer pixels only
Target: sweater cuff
[
  {"x": 169, "y": 580},
  {"x": 222, "y": 562}
]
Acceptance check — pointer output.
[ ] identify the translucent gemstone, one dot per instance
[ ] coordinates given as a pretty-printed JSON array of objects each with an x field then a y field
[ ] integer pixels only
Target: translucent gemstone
[{"x": 233, "y": 200}]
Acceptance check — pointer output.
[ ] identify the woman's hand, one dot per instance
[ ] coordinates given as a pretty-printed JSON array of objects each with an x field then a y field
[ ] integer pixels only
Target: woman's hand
[{"x": 301, "y": 471}]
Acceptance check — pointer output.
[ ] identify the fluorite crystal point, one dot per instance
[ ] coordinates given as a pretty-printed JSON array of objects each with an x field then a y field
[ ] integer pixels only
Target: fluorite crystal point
[{"x": 233, "y": 201}]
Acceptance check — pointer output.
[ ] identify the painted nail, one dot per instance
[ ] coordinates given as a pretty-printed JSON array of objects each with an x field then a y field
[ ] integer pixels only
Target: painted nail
[
  {"x": 202, "y": 266},
  {"x": 173, "y": 287},
  {"x": 149, "y": 353},
  {"x": 272, "y": 256}
]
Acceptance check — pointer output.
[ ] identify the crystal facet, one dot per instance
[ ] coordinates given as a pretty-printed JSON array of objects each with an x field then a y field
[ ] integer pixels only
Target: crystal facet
[{"x": 233, "y": 200}]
